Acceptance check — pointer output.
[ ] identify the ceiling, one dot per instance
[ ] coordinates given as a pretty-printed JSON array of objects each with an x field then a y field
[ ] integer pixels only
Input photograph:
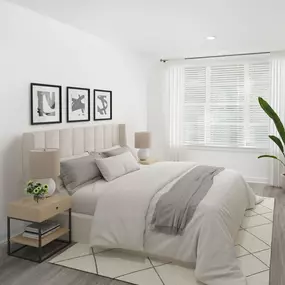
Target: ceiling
[{"x": 175, "y": 28}]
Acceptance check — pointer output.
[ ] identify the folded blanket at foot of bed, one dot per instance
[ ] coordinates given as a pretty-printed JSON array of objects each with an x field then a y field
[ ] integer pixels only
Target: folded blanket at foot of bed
[{"x": 175, "y": 209}]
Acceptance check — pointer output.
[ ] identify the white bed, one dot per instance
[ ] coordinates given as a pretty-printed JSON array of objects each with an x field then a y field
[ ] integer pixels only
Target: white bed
[
  {"x": 84, "y": 200},
  {"x": 124, "y": 211},
  {"x": 123, "y": 208}
]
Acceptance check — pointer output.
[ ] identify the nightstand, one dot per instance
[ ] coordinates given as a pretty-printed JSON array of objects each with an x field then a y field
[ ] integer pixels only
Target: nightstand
[
  {"x": 148, "y": 161},
  {"x": 27, "y": 210}
]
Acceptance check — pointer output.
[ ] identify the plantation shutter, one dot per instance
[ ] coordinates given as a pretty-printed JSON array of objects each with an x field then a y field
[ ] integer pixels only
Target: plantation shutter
[
  {"x": 221, "y": 106},
  {"x": 194, "y": 105},
  {"x": 259, "y": 86}
]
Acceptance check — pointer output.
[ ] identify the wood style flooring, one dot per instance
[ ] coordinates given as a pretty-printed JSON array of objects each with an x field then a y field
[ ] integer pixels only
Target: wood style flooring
[
  {"x": 277, "y": 270},
  {"x": 18, "y": 272}
]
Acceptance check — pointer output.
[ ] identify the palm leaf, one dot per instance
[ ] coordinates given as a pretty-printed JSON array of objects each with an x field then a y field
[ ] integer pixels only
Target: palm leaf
[
  {"x": 271, "y": 156},
  {"x": 272, "y": 114},
  {"x": 278, "y": 142}
]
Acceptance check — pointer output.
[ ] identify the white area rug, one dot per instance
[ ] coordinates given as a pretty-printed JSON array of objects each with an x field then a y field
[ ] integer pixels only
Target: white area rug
[{"x": 253, "y": 248}]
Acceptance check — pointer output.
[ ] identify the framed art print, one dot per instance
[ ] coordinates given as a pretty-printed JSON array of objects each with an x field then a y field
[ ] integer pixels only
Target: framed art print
[
  {"x": 102, "y": 105},
  {"x": 78, "y": 104},
  {"x": 45, "y": 104}
]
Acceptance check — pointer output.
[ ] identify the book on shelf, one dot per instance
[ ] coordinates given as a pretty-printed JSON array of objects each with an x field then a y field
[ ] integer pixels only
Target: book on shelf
[
  {"x": 36, "y": 235},
  {"x": 44, "y": 226}
]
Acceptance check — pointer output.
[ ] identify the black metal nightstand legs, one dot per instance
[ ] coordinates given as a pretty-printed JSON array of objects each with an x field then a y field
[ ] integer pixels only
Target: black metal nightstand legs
[
  {"x": 40, "y": 245},
  {"x": 8, "y": 236},
  {"x": 41, "y": 254},
  {"x": 69, "y": 225}
]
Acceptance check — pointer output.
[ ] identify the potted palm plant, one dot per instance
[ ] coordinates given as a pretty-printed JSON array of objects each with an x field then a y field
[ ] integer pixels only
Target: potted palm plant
[{"x": 281, "y": 131}]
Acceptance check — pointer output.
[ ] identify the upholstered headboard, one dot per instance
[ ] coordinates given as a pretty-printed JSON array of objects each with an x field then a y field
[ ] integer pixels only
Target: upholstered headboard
[{"x": 74, "y": 141}]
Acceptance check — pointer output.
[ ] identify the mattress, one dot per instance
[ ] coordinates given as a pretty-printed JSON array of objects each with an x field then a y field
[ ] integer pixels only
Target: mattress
[{"x": 84, "y": 200}]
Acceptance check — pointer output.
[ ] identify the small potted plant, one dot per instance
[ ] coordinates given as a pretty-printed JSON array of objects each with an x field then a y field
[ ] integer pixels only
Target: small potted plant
[
  {"x": 37, "y": 189},
  {"x": 281, "y": 131}
]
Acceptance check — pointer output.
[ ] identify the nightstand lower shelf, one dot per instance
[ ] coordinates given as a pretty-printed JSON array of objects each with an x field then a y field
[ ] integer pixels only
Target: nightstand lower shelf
[
  {"x": 32, "y": 253},
  {"x": 35, "y": 243}
]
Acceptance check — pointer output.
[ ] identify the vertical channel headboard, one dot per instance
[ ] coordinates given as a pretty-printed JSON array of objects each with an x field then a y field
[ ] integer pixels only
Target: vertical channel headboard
[{"x": 74, "y": 141}]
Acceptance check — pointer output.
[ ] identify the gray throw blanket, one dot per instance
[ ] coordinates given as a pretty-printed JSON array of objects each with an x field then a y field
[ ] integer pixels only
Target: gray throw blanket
[{"x": 175, "y": 209}]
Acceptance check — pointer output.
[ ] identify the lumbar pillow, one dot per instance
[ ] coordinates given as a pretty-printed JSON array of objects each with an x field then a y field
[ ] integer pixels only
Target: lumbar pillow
[
  {"x": 75, "y": 172},
  {"x": 116, "y": 166}
]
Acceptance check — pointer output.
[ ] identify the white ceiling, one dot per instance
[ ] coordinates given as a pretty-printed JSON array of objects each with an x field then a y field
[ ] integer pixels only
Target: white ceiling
[{"x": 175, "y": 28}]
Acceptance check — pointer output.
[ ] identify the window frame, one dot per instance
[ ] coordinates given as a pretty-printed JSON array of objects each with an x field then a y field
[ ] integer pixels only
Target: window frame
[{"x": 246, "y": 112}]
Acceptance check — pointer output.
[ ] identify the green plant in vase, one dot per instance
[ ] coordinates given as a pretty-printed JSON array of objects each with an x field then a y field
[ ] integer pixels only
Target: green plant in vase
[
  {"x": 280, "y": 142},
  {"x": 36, "y": 189}
]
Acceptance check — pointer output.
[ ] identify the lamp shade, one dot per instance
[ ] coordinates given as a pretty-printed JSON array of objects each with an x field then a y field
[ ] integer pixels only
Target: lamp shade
[
  {"x": 44, "y": 163},
  {"x": 142, "y": 140}
]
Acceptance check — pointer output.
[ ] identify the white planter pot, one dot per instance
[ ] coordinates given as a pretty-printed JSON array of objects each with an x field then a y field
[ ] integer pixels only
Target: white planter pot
[{"x": 282, "y": 181}]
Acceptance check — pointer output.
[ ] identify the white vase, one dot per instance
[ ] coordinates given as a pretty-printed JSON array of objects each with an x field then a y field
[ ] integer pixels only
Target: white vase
[
  {"x": 51, "y": 185},
  {"x": 282, "y": 181}
]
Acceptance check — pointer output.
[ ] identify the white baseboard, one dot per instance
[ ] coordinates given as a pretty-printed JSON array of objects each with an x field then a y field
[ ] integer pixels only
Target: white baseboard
[{"x": 257, "y": 180}]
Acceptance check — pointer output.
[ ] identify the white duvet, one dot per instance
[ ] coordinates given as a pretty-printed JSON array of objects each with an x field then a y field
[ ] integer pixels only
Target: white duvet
[{"x": 124, "y": 212}]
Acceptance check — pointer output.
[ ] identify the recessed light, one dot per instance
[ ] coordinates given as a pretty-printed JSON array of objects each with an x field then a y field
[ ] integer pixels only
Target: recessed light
[{"x": 211, "y": 38}]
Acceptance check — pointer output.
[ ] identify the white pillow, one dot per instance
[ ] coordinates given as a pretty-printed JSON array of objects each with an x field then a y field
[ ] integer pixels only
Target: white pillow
[{"x": 116, "y": 166}]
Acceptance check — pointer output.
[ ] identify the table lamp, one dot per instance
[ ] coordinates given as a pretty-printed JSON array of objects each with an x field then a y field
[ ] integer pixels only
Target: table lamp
[
  {"x": 142, "y": 141},
  {"x": 45, "y": 167}
]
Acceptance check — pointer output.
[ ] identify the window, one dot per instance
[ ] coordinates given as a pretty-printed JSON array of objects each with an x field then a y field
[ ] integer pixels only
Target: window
[{"x": 220, "y": 106}]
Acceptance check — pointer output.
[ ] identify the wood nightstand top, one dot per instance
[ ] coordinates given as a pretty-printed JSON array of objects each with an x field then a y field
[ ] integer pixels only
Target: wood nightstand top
[
  {"x": 29, "y": 210},
  {"x": 148, "y": 161}
]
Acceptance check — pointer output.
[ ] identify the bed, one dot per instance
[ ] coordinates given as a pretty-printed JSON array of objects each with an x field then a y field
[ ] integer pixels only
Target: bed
[{"x": 118, "y": 214}]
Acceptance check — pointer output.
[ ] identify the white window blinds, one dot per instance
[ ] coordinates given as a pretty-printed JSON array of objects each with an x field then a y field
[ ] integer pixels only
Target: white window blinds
[{"x": 220, "y": 105}]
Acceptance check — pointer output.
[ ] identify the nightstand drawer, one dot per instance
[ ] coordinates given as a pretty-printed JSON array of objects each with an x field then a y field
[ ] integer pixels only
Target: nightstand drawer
[{"x": 28, "y": 209}]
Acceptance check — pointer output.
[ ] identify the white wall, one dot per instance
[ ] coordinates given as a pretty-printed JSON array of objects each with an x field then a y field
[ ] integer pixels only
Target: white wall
[
  {"x": 34, "y": 48},
  {"x": 156, "y": 110},
  {"x": 244, "y": 161}
]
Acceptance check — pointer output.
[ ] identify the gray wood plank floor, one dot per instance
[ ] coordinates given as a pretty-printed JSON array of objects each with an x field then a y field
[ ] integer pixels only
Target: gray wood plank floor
[
  {"x": 18, "y": 272},
  {"x": 14, "y": 271},
  {"x": 277, "y": 269}
]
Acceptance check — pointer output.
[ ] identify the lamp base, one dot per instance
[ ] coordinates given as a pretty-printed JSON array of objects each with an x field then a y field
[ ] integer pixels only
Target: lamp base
[
  {"x": 143, "y": 154},
  {"x": 51, "y": 185}
]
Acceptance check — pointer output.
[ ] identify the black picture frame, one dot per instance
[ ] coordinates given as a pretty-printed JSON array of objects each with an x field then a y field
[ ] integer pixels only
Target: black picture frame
[
  {"x": 97, "y": 116},
  {"x": 32, "y": 104},
  {"x": 68, "y": 89}
]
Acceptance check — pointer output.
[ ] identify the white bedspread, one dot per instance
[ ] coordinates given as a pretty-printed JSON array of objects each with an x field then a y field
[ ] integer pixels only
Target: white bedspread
[{"x": 123, "y": 215}]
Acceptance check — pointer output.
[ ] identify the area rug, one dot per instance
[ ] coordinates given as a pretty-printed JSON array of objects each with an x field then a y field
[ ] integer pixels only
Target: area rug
[{"x": 253, "y": 249}]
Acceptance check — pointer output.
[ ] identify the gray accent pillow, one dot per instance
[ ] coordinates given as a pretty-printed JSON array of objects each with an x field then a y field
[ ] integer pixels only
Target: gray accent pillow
[
  {"x": 78, "y": 171},
  {"x": 118, "y": 151},
  {"x": 101, "y": 152}
]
